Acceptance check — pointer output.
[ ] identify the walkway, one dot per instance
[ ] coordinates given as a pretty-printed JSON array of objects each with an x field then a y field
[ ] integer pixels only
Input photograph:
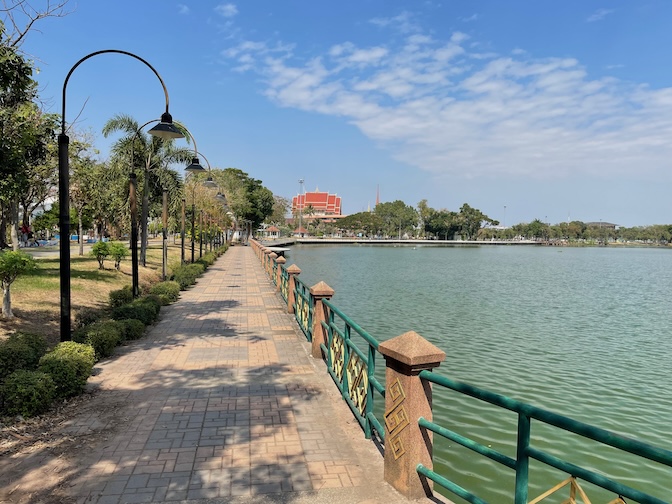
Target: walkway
[{"x": 222, "y": 402}]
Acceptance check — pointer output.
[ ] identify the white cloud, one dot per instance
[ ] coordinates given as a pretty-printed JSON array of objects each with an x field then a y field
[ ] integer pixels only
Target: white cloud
[
  {"x": 183, "y": 9},
  {"x": 599, "y": 15},
  {"x": 226, "y": 10},
  {"x": 469, "y": 19},
  {"x": 439, "y": 105},
  {"x": 403, "y": 22}
]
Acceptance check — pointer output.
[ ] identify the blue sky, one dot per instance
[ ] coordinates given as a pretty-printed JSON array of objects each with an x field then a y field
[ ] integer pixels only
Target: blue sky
[{"x": 524, "y": 109}]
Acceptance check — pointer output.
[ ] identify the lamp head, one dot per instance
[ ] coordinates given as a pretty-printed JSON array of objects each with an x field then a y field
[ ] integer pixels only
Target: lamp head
[
  {"x": 221, "y": 198},
  {"x": 195, "y": 166},
  {"x": 166, "y": 129},
  {"x": 210, "y": 183}
]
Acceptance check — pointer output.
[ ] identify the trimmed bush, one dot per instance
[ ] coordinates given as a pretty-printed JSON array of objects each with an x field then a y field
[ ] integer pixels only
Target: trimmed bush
[
  {"x": 168, "y": 292},
  {"x": 145, "y": 309},
  {"x": 187, "y": 274},
  {"x": 103, "y": 336},
  {"x": 28, "y": 393},
  {"x": 86, "y": 316},
  {"x": 69, "y": 364},
  {"x": 100, "y": 251},
  {"x": 133, "y": 329},
  {"x": 121, "y": 296},
  {"x": 207, "y": 260},
  {"x": 21, "y": 351}
]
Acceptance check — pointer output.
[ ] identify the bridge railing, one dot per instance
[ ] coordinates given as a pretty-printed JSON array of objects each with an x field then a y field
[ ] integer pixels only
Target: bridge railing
[{"x": 408, "y": 426}]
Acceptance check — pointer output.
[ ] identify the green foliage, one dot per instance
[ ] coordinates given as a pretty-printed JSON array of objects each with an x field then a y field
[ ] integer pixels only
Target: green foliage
[
  {"x": 118, "y": 251},
  {"x": 86, "y": 316},
  {"x": 133, "y": 329},
  {"x": 100, "y": 251},
  {"x": 145, "y": 309},
  {"x": 168, "y": 291},
  {"x": 187, "y": 274},
  {"x": 103, "y": 336},
  {"x": 12, "y": 264},
  {"x": 69, "y": 364},
  {"x": 207, "y": 259},
  {"x": 21, "y": 351},
  {"x": 28, "y": 393},
  {"x": 121, "y": 296}
]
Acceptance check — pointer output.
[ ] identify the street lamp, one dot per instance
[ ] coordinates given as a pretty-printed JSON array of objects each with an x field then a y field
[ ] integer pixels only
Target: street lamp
[{"x": 165, "y": 129}]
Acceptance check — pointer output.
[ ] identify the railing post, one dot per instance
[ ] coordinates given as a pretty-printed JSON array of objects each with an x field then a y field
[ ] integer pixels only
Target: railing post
[
  {"x": 278, "y": 277},
  {"x": 319, "y": 291},
  {"x": 407, "y": 398},
  {"x": 266, "y": 254},
  {"x": 522, "y": 459},
  {"x": 292, "y": 271},
  {"x": 271, "y": 263}
]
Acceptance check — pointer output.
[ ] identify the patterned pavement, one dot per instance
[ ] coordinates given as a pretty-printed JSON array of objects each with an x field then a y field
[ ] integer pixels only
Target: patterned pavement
[{"x": 222, "y": 402}]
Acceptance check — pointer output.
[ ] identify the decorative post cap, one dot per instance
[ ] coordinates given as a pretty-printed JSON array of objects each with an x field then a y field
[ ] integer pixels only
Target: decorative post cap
[
  {"x": 267, "y": 251},
  {"x": 272, "y": 255},
  {"x": 321, "y": 289},
  {"x": 412, "y": 350},
  {"x": 281, "y": 260},
  {"x": 294, "y": 269}
]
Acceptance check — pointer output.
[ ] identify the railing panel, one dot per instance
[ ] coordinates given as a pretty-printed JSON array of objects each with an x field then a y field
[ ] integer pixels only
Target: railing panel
[
  {"x": 303, "y": 308},
  {"x": 284, "y": 283}
]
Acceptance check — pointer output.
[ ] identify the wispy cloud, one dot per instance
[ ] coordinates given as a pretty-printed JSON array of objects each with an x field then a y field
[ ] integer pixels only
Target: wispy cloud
[
  {"x": 441, "y": 106},
  {"x": 403, "y": 23},
  {"x": 226, "y": 10},
  {"x": 599, "y": 15},
  {"x": 183, "y": 9},
  {"x": 469, "y": 19}
]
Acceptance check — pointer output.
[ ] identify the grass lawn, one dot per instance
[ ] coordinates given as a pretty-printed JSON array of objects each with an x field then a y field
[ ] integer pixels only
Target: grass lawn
[{"x": 36, "y": 296}]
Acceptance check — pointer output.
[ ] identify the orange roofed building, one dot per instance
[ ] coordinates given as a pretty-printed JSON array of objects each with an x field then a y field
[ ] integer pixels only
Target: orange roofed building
[{"x": 322, "y": 204}]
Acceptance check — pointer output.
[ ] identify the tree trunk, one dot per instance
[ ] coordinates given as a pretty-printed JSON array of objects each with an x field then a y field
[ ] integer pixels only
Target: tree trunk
[
  {"x": 80, "y": 229},
  {"x": 143, "y": 220},
  {"x": 3, "y": 226},
  {"x": 6, "y": 303},
  {"x": 14, "y": 222}
]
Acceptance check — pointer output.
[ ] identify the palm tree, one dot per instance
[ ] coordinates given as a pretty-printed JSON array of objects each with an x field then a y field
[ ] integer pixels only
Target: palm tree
[{"x": 153, "y": 156}]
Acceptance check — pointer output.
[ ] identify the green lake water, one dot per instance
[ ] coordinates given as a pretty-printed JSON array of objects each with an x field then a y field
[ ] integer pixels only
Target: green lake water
[{"x": 584, "y": 332}]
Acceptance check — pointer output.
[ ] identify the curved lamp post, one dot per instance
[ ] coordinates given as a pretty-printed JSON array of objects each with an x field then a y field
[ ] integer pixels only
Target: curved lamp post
[{"x": 165, "y": 129}]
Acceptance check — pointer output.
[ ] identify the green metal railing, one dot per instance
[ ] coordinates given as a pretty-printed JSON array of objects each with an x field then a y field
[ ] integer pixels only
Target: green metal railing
[
  {"x": 303, "y": 308},
  {"x": 524, "y": 452},
  {"x": 274, "y": 275},
  {"x": 284, "y": 283},
  {"x": 352, "y": 369}
]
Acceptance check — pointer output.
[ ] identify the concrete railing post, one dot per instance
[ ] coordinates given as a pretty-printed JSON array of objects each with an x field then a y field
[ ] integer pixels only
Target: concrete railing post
[
  {"x": 319, "y": 291},
  {"x": 278, "y": 279},
  {"x": 271, "y": 264},
  {"x": 292, "y": 271},
  {"x": 266, "y": 254},
  {"x": 407, "y": 399}
]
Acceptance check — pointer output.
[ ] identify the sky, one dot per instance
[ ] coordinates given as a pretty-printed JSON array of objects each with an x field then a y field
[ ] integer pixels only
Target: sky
[{"x": 523, "y": 109}]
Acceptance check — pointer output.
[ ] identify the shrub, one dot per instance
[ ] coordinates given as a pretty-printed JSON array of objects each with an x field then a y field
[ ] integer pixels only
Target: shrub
[
  {"x": 100, "y": 251},
  {"x": 28, "y": 393},
  {"x": 118, "y": 251},
  {"x": 86, "y": 316},
  {"x": 145, "y": 309},
  {"x": 167, "y": 291},
  {"x": 21, "y": 351},
  {"x": 133, "y": 329},
  {"x": 187, "y": 274},
  {"x": 69, "y": 364},
  {"x": 207, "y": 260},
  {"x": 121, "y": 296},
  {"x": 103, "y": 336}
]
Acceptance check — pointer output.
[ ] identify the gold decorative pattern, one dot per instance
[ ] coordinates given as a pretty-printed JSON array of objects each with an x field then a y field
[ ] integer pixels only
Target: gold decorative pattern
[
  {"x": 396, "y": 418},
  {"x": 337, "y": 354},
  {"x": 284, "y": 287},
  {"x": 574, "y": 489},
  {"x": 358, "y": 382}
]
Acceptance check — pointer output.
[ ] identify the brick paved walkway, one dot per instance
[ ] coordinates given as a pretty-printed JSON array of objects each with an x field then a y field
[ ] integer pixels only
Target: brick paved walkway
[{"x": 223, "y": 403}]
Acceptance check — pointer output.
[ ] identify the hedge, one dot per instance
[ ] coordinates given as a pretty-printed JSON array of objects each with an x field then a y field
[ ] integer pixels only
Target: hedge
[
  {"x": 28, "y": 393},
  {"x": 103, "y": 336},
  {"x": 145, "y": 309},
  {"x": 21, "y": 351},
  {"x": 69, "y": 364},
  {"x": 187, "y": 274},
  {"x": 121, "y": 296},
  {"x": 168, "y": 292},
  {"x": 133, "y": 329}
]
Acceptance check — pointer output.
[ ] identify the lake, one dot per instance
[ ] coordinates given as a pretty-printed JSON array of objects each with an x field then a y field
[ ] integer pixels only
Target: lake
[{"x": 584, "y": 332}]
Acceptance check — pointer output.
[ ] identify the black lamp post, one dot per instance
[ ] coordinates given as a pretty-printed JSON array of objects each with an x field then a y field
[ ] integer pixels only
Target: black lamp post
[{"x": 164, "y": 129}]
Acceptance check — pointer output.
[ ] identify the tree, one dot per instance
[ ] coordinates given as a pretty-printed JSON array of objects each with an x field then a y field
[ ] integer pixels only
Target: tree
[
  {"x": 442, "y": 223},
  {"x": 247, "y": 198},
  {"x": 280, "y": 208},
  {"x": 471, "y": 220},
  {"x": 397, "y": 217},
  {"x": 12, "y": 264},
  {"x": 152, "y": 157}
]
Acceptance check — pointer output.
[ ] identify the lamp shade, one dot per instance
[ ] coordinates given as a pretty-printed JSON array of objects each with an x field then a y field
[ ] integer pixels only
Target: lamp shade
[
  {"x": 195, "y": 166},
  {"x": 209, "y": 182},
  {"x": 166, "y": 129},
  {"x": 221, "y": 198}
]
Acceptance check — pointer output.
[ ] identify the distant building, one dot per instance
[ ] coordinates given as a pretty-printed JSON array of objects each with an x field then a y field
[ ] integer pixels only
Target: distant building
[
  {"x": 605, "y": 225},
  {"x": 317, "y": 205}
]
